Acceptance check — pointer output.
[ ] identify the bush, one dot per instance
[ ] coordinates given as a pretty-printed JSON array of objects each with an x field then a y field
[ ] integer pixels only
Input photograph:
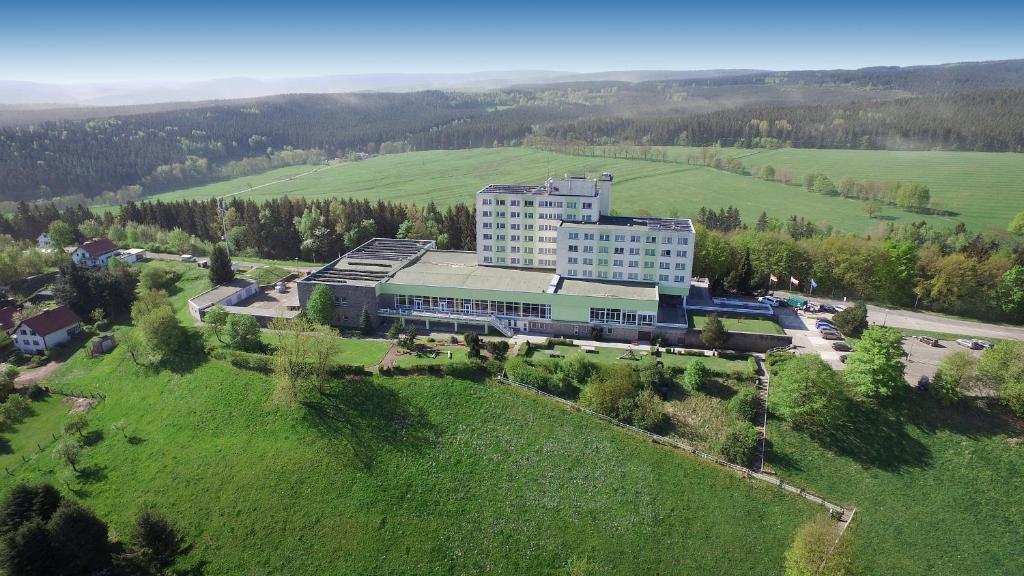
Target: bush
[
  {"x": 571, "y": 374},
  {"x": 775, "y": 358},
  {"x": 552, "y": 342},
  {"x": 752, "y": 366},
  {"x": 739, "y": 444},
  {"x": 464, "y": 370},
  {"x": 252, "y": 362},
  {"x": 696, "y": 375},
  {"x": 16, "y": 408},
  {"x": 158, "y": 277},
  {"x": 815, "y": 552},
  {"x": 647, "y": 410},
  {"x": 520, "y": 370},
  {"x": 608, "y": 388},
  {"x": 806, "y": 391},
  {"x": 744, "y": 404}
]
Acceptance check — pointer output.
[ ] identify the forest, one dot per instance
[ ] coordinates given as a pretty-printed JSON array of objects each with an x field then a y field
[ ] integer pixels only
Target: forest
[{"x": 127, "y": 153}]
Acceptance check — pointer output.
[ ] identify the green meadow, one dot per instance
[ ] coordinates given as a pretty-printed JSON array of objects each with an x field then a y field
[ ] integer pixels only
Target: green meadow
[{"x": 984, "y": 190}]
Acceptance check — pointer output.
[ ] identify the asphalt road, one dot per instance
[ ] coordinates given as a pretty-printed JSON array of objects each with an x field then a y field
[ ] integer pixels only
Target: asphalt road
[{"x": 927, "y": 321}]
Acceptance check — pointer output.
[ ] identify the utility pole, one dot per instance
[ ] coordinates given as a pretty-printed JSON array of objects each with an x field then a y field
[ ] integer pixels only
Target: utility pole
[{"x": 224, "y": 224}]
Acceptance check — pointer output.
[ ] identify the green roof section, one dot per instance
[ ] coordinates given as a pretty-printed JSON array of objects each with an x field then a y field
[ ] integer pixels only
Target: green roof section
[
  {"x": 451, "y": 269},
  {"x": 629, "y": 291}
]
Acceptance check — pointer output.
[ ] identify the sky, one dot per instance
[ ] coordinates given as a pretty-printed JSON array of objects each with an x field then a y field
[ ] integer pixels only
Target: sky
[{"x": 104, "y": 41}]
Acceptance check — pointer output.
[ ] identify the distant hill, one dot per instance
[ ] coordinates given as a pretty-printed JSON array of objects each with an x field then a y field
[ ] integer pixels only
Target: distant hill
[{"x": 162, "y": 146}]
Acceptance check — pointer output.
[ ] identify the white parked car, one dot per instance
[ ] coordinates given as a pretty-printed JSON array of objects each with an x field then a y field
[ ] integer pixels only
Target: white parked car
[
  {"x": 968, "y": 343},
  {"x": 982, "y": 344},
  {"x": 188, "y": 258},
  {"x": 769, "y": 300}
]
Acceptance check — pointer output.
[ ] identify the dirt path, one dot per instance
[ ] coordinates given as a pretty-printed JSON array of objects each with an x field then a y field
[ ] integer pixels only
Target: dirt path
[{"x": 26, "y": 379}]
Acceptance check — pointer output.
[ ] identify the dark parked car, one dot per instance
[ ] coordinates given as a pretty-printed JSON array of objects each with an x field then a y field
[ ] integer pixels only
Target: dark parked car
[
  {"x": 922, "y": 383},
  {"x": 841, "y": 346},
  {"x": 831, "y": 335}
]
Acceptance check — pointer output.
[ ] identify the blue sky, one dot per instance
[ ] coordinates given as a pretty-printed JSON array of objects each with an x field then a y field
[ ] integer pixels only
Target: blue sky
[{"x": 184, "y": 40}]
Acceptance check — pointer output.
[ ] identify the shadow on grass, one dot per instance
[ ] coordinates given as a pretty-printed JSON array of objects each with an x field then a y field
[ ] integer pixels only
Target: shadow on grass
[
  {"x": 973, "y": 417},
  {"x": 135, "y": 440},
  {"x": 92, "y": 474},
  {"x": 874, "y": 436},
  {"x": 718, "y": 389},
  {"x": 92, "y": 438},
  {"x": 369, "y": 417}
]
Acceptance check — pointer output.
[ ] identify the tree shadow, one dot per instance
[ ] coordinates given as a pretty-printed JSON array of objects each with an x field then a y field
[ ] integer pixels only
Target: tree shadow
[
  {"x": 779, "y": 459},
  {"x": 369, "y": 417},
  {"x": 716, "y": 388},
  {"x": 92, "y": 474},
  {"x": 135, "y": 440},
  {"x": 874, "y": 436},
  {"x": 5, "y": 446},
  {"x": 197, "y": 569},
  {"x": 92, "y": 438},
  {"x": 188, "y": 358},
  {"x": 973, "y": 417}
]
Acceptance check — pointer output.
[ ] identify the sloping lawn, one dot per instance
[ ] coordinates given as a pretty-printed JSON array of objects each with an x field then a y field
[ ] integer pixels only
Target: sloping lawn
[
  {"x": 937, "y": 490},
  {"x": 24, "y": 440},
  {"x": 409, "y": 476},
  {"x": 734, "y": 324}
]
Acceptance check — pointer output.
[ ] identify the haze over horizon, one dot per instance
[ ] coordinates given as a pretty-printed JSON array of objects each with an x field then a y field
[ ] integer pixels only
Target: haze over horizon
[{"x": 119, "y": 41}]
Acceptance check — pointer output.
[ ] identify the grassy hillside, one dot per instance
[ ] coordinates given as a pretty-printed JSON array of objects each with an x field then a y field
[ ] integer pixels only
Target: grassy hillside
[
  {"x": 403, "y": 476},
  {"x": 984, "y": 189},
  {"x": 937, "y": 489}
]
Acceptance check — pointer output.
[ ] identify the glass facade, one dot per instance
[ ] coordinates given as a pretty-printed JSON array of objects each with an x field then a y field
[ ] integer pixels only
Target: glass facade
[
  {"x": 474, "y": 307},
  {"x": 617, "y": 316}
]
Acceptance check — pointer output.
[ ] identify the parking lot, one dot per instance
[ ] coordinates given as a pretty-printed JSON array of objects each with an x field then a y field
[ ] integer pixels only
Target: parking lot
[{"x": 922, "y": 359}]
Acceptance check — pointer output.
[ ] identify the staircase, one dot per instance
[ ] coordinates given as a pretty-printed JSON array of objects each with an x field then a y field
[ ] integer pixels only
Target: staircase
[{"x": 503, "y": 326}]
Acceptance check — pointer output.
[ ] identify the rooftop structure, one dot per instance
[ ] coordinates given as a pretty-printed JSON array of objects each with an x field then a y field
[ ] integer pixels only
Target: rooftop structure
[
  {"x": 371, "y": 262},
  {"x": 635, "y": 222}
]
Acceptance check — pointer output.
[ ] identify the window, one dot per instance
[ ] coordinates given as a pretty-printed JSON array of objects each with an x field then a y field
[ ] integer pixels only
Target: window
[
  {"x": 602, "y": 274},
  {"x": 500, "y": 214},
  {"x": 528, "y": 250},
  {"x": 514, "y": 249},
  {"x": 501, "y": 259},
  {"x": 634, "y": 238},
  {"x": 574, "y": 235},
  {"x": 487, "y": 225},
  {"x": 620, "y": 250},
  {"x": 528, "y": 261},
  {"x": 602, "y": 261},
  {"x": 500, "y": 225},
  {"x": 527, "y": 214},
  {"x": 499, "y": 248},
  {"x": 513, "y": 260},
  {"x": 588, "y": 249},
  {"x": 679, "y": 279},
  {"x": 648, "y": 277},
  {"x": 588, "y": 235},
  {"x": 650, "y": 252},
  {"x": 620, "y": 237},
  {"x": 487, "y": 259},
  {"x": 616, "y": 275},
  {"x": 500, "y": 237},
  {"x": 573, "y": 260},
  {"x": 634, "y": 251},
  {"x": 648, "y": 264},
  {"x": 485, "y": 202},
  {"x": 616, "y": 262},
  {"x": 685, "y": 241},
  {"x": 602, "y": 249},
  {"x": 681, "y": 266},
  {"x": 588, "y": 273},
  {"x": 528, "y": 238},
  {"x": 527, "y": 202},
  {"x": 604, "y": 237},
  {"x": 570, "y": 205},
  {"x": 514, "y": 238},
  {"x": 486, "y": 248},
  {"x": 513, "y": 202},
  {"x": 634, "y": 263},
  {"x": 513, "y": 214},
  {"x": 680, "y": 253},
  {"x": 574, "y": 248},
  {"x": 500, "y": 202},
  {"x": 632, "y": 276},
  {"x": 664, "y": 265},
  {"x": 666, "y": 253},
  {"x": 588, "y": 205},
  {"x": 487, "y": 236},
  {"x": 588, "y": 261},
  {"x": 486, "y": 213},
  {"x": 571, "y": 272},
  {"x": 662, "y": 277},
  {"x": 666, "y": 240},
  {"x": 652, "y": 239}
]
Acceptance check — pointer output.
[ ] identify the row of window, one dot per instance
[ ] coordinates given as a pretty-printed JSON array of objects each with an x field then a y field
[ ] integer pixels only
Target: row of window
[
  {"x": 481, "y": 307},
  {"x": 618, "y": 275},
  {"x": 617, "y": 316}
]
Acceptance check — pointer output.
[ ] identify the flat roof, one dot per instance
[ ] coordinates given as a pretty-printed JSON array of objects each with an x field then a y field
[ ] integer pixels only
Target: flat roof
[
  {"x": 628, "y": 290},
  {"x": 451, "y": 269},
  {"x": 218, "y": 293},
  {"x": 644, "y": 223},
  {"x": 371, "y": 262}
]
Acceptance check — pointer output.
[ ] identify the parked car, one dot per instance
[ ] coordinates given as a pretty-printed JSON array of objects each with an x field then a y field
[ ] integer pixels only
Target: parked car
[
  {"x": 928, "y": 340},
  {"x": 968, "y": 343},
  {"x": 821, "y": 323},
  {"x": 770, "y": 300},
  {"x": 827, "y": 308},
  {"x": 188, "y": 258},
  {"x": 827, "y": 328},
  {"x": 841, "y": 346},
  {"x": 982, "y": 344},
  {"x": 922, "y": 383},
  {"x": 831, "y": 335},
  {"x": 839, "y": 308}
]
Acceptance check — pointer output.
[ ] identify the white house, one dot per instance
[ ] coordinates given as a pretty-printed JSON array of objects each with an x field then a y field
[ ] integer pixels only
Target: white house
[
  {"x": 43, "y": 241},
  {"x": 94, "y": 253},
  {"x": 41, "y": 332}
]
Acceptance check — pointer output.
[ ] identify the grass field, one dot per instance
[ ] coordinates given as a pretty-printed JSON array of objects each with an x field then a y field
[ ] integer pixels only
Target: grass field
[
  {"x": 758, "y": 325},
  {"x": 405, "y": 476},
  {"x": 937, "y": 489},
  {"x": 983, "y": 188},
  {"x": 266, "y": 274}
]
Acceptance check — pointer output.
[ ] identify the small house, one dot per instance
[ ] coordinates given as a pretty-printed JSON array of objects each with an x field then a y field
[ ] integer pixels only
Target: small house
[
  {"x": 43, "y": 241},
  {"x": 43, "y": 331},
  {"x": 95, "y": 253}
]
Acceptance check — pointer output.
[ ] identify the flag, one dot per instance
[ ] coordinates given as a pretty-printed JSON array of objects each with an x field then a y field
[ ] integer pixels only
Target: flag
[
  {"x": 794, "y": 281},
  {"x": 773, "y": 277},
  {"x": 813, "y": 283}
]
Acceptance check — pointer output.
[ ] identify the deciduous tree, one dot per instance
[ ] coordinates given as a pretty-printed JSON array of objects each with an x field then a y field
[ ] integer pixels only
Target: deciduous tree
[
  {"x": 320, "y": 307},
  {"x": 875, "y": 367}
]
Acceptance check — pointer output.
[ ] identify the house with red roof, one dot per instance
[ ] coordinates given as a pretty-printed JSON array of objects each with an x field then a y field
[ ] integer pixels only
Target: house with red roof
[
  {"x": 95, "y": 253},
  {"x": 43, "y": 331}
]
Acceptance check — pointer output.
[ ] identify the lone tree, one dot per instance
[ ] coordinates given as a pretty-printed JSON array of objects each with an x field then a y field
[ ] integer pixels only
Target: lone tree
[
  {"x": 806, "y": 391},
  {"x": 215, "y": 320},
  {"x": 156, "y": 541},
  {"x": 76, "y": 425},
  {"x": 395, "y": 331},
  {"x": 68, "y": 452},
  {"x": 220, "y": 265},
  {"x": 875, "y": 367},
  {"x": 320, "y": 307},
  {"x": 714, "y": 334}
]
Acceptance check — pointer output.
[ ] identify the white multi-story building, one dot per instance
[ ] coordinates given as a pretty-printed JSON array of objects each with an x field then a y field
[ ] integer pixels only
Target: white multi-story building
[{"x": 565, "y": 225}]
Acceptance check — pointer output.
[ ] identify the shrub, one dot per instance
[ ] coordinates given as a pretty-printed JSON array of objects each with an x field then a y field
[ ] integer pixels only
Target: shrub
[
  {"x": 696, "y": 375},
  {"x": 608, "y": 388},
  {"x": 498, "y": 349},
  {"x": 651, "y": 373},
  {"x": 455, "y": 340},
  {"x": 242, "y": 332},
  {"x": 252, "y": 362},
  {"x": 16, "y": 408},
  {"x": 464, "y": 370},
  {"x": 954, "y": 377},
  {"x": 744, "y": 404},
  {"x": 647, "y": 410},
  {"x": 520, "y": 370},
  {"x": 739, "y": 444},
  {"x": 775, "y": 358},
  {"x": 815, "y": 551},
  {"x": 595, "y": 333},
  {"x": 806, "y": 391},
  {"x": 158, "y": 277}
]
